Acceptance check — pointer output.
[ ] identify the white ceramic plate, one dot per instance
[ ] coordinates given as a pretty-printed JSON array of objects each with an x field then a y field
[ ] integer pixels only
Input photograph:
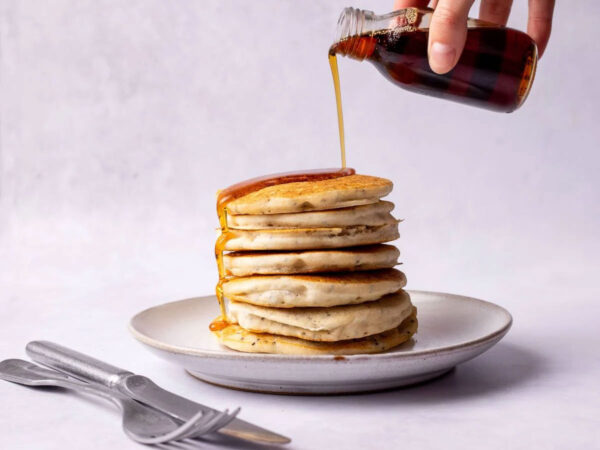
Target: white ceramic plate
[{"x": 452, "y": 330}]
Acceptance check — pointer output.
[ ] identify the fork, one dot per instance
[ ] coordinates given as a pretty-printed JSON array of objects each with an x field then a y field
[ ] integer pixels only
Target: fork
[{"x": 140, "y": 423}]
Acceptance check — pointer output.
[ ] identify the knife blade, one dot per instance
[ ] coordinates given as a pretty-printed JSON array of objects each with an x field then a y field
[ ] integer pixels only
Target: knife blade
[{"x": 140, "y": 388}]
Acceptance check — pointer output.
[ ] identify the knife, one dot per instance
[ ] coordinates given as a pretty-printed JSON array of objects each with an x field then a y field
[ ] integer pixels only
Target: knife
[{"x": 139, "y": 388}]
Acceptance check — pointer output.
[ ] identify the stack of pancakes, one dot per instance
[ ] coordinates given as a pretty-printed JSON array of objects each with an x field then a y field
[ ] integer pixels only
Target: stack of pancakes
[{"x": 308, "y": 273}]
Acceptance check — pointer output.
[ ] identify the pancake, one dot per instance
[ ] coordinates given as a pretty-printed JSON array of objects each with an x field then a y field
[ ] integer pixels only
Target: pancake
[
  {"x": 338, "y": 323},
  {"x": 370, "y": 257},
  {"x": 236, "y": 338},
  {"x": 289, "y": 291},
  {"x": 310, "y": 238},
  {"x": 321, "y": 195},
  {"x": 374, "y": 214}
]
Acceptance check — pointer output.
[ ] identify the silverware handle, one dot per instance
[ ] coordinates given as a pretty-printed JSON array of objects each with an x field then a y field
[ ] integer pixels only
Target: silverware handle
[
  {"x": 30, "y": 374},
  {"x": 76, "y": 364},
  {"x": 94, "y": 389}
]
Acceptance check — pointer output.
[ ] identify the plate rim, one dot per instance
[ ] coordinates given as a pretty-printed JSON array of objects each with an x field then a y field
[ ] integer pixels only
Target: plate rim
[{"x": 228, "y": 354}]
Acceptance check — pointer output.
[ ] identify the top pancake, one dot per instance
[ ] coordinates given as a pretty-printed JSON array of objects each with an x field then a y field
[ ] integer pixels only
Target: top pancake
[{"x": 321, "y": 195}]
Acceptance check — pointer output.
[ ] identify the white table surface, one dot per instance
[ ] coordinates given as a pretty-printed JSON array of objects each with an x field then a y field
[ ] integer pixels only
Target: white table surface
[{"x": 538, "y": 388}]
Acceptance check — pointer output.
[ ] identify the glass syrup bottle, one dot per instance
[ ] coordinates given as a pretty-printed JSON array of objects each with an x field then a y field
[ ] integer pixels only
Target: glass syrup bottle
[{"x": 495, "y": 70}]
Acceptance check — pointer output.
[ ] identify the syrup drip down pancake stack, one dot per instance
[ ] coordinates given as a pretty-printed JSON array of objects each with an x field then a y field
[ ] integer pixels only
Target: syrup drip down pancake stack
[{"x": 303, "y": 264}]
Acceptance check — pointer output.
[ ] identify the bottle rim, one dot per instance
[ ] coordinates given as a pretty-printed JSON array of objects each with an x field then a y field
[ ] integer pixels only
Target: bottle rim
[{"x": 350, "y": 23}]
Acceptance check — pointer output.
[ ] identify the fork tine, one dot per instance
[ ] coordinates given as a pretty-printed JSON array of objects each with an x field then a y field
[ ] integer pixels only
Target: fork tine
[
  {"x": 189, "y": 443},
  {"x": 223, "y": 419},
  {"x": 206, "y": 427},
  {"x": 171, "y": 436},
  {"x": 174, "y": 445},
  {"x": 197, "y": 426}
]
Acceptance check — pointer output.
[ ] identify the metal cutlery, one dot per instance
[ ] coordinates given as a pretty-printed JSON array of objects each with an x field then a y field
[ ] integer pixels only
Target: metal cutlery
[
  {"x": 140, "y": 388},
  {"x": 139, "y": 422}
]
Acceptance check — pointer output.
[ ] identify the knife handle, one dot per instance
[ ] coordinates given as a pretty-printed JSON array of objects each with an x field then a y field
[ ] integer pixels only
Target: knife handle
[{"x": 76, "y": 364}]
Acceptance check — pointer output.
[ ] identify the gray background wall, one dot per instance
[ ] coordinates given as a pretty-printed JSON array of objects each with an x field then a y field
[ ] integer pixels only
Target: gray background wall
[{"x": 120, "y": 120}]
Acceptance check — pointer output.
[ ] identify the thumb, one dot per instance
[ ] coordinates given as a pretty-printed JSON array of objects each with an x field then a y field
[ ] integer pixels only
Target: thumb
[{"x": 447, "y": 34}]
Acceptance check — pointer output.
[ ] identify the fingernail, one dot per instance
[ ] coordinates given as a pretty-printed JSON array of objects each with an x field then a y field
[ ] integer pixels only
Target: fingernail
[{"x": 441, "y": 57}]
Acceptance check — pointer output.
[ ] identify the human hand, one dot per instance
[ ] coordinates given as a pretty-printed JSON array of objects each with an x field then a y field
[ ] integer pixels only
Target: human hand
[{"x": 448, "y": 29}]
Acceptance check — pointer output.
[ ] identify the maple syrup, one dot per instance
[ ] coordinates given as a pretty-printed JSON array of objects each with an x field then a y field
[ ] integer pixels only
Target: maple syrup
[{"x": 338, "y": 100}]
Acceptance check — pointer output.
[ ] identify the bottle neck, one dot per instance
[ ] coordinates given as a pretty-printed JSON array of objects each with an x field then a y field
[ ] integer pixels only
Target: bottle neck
[{"x": 356, "y": 26}]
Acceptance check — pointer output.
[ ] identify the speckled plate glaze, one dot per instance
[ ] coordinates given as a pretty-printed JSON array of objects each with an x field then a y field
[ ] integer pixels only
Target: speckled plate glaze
[{"x": 452, "y": 329}]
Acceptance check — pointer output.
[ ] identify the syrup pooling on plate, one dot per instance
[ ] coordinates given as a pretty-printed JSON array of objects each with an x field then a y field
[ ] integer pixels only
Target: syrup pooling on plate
[
  {"x": 218, "y": 324},
  {"x": 244, "y": 188}
]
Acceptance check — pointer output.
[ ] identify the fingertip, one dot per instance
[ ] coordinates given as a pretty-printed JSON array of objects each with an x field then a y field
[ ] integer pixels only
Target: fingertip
[
  {"x": 447, "y": 34},
  {"x": 540, "y": 33},
  {"x": 539, "y": 25},
  {"x": 442, "y": 57}
]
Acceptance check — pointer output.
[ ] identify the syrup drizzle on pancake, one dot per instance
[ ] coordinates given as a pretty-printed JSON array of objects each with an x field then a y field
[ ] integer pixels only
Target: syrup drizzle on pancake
[{"x": 244, "y": 188}]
